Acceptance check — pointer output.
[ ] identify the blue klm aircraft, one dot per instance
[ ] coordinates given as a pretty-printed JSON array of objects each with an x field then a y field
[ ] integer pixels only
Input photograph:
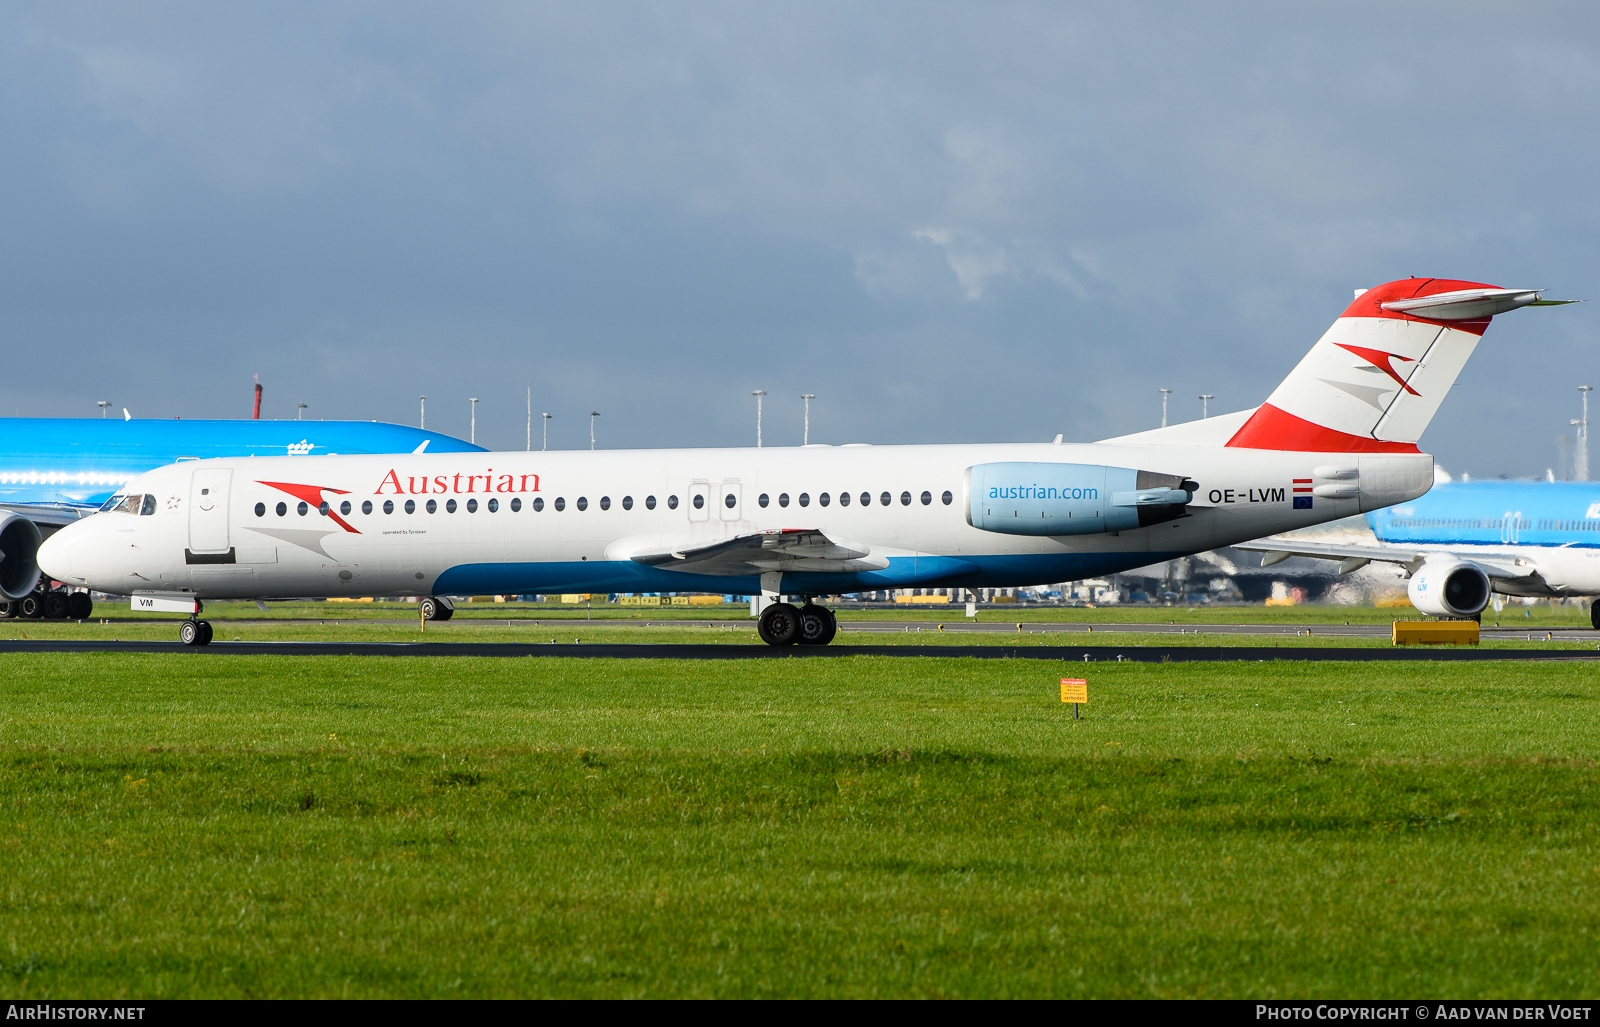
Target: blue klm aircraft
[
  {"x": 1464, "y": 540},
  {"x": 54, "y": 471}
]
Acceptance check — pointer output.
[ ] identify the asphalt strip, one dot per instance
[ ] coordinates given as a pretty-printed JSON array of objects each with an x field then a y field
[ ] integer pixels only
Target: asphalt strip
[{"x": 1070, "y": 654}]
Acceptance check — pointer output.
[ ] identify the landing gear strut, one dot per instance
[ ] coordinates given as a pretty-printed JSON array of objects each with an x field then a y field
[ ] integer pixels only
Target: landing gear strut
[{"x": 785, "y": 624}]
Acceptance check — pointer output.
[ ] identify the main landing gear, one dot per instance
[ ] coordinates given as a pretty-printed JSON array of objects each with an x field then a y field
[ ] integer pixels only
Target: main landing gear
[
  {"x": 48, "y": 604},
  {"x": 195, "y": 631},
  {"x": 1594, "y": 614},
  {"x": 786, "y": 624},
  {"x": 435, "y": 608}
]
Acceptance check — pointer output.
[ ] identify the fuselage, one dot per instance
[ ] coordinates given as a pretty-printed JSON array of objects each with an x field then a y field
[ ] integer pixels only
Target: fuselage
[
  {"x": 583, "y": 521},
  {"x": 1553, "y": 525},
  {"x": 78, "y": 463}
]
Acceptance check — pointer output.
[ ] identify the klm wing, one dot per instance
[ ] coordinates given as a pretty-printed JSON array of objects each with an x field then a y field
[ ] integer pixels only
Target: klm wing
[{"x": 1353, "y": 558}]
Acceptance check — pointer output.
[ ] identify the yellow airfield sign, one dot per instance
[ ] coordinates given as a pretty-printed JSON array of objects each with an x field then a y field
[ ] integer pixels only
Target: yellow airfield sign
[{"x": 1074, "y": 690}]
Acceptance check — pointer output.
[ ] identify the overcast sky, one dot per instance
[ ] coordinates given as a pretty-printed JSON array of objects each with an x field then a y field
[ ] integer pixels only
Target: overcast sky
[{"x": 975, "y": 222}]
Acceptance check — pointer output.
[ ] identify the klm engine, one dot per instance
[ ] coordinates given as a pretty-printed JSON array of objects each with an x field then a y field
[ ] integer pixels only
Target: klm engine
[
  {"x": 1445, "y": 586},
  {"x": 1071, "y": 499}
]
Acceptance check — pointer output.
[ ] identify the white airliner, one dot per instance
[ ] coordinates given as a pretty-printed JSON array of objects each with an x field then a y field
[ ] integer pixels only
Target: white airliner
[{"x": 1337, "y": 437}]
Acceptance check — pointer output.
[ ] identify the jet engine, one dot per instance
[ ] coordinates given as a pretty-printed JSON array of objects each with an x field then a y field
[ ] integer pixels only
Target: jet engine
[
  {"x": 1449, "y": 587},
  {"x": 19, "y": 556},
  {"x": 1071, "y": 499}
]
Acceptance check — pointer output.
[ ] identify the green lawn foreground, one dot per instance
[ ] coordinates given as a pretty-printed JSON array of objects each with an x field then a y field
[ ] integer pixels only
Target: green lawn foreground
[{"x": 323, "y": 826}]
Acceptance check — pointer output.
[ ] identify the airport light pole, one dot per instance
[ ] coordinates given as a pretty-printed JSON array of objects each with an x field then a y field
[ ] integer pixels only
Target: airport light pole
[
  {"x": 592, "y": 415},
  {"x": 423, "y": 423},
  {"x": 758, "y": 394},
  {"x": 1583, "y": 435},
  {"x": 103, "y": 405},
  {"x": 473, "y": 430},
  {"x": 805, "y": 438},
  {"x": 1205, "y": 405},
  {"x": 300, "y": 408},
  {"x": 530, "y": 419},
  {"x": 546, "y": 432},
  {"x": 1164, "y": 394}
]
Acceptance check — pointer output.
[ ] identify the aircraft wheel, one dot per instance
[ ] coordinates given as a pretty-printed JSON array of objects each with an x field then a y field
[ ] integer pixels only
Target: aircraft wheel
[
  {"x": 30, "y": 606},
  {"x": 8, "y": 609},
  {"x": 189, "y": 632},
  {"x": 55, "y": 605},
  {"x": 79, "y": 606},
  {"x": 434, "y": 608},
  {"x": 779, "y": 625},
  {"x": 817, "y": 625},
  {"x": 205, "y": 632}
]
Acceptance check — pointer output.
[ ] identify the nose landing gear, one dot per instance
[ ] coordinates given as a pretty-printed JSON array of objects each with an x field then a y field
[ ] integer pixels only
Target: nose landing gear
[
  {"x": 784, "y": 624},
  {"x": 195, "y": 631}
]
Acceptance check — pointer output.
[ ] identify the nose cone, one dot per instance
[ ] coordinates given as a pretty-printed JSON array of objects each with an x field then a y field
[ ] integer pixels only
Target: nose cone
[{"x": 58, "y": 556}]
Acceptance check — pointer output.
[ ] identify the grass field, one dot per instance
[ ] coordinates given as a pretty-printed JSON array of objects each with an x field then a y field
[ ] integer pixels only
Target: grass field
[{"x": 285, "y": 826}]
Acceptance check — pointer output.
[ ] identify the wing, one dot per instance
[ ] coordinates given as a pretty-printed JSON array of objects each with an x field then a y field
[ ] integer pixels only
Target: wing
[
  {"x": 789, "y": 550},
  {"x": 1353, "y": 558},
  {"x": 52, "y": 515}
]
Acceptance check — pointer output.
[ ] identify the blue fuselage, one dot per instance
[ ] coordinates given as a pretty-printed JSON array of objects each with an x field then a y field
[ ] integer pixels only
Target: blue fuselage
[
  {"x": 1563, "y": 514},
  {"x": 78, "y": 463}
]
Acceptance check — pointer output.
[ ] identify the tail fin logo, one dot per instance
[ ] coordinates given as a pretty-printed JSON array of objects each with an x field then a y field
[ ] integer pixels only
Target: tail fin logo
[{"x": 1380, "y": 360}]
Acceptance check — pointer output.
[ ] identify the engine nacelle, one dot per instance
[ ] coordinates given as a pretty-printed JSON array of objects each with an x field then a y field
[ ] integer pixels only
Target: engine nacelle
[
  {"x": 19, "y": 555},
  {"x": 1071, "y": 499},
  {"x": 1448, "y": 587}
]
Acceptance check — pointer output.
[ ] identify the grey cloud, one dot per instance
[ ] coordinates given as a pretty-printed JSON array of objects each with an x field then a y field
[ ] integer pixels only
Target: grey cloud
[{"x": 949, "y": 221}]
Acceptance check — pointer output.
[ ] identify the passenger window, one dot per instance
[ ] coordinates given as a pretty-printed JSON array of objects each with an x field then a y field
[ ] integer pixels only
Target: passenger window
[
  {"x": 148, "y": 507},
  {"x": 672, "y": 502},
  {"x": 649, "y": 502},
  {"x": 783, "y": 499},
  {"x": 823, "y": 499},
  {"x": 411, "y": 506},
  {"x": 366, "y": 506},
  {"x": 560, "y": 503},
  {"x": 261, "y": 509},
  {"x": 699, "y": 501},
  {"x": 844, "y": 499},
  {"x": 538, "y": 504},
  {"x": 344, "y": 507},
  {"x": 433, "y": 506},
  {"x": 282, "y": 509},
  {"x": 905, "y": 499},
  {"x": 730, "y": 501},
  {"x": 388, "y": 506},
  {"x": 323, "y": 508},
  {"x": 762, "y": 500},
  {"x": 516, "y": 505},
  {"x": 805, "y": 499},
  {"x": 301, "y": 509},
  {"x": 605, "y": 502},
  {"x": 927, "y": 497},
  {"x": 583, "y": 503},
  {"x": 494, "y": 505},
  {"x": 627, "y": 502},
  {"x": 472, "y": 506},
  {"x": 449, "y": 506},
  {"x": 946, "y": 498}
]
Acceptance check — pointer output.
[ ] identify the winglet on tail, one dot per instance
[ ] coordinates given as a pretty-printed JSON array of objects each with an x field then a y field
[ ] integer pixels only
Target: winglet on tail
[{"x": 1373, "y": 382}]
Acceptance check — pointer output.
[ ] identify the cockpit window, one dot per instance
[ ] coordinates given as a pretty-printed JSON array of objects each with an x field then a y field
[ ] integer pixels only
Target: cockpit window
[
  {"x": 148, "y": 507},
  {"x": 130, "y": 504}
]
